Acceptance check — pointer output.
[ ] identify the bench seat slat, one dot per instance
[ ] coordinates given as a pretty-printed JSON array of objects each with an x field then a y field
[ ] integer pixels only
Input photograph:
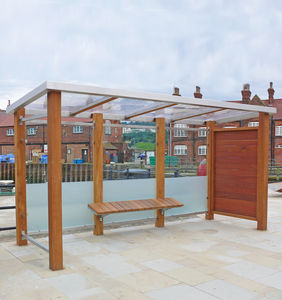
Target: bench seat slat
[{"x": 133, "y": 205}]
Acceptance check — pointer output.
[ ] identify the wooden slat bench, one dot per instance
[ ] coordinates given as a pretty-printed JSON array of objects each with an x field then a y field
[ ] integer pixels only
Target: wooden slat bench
[{"x": 105, "y": 208}]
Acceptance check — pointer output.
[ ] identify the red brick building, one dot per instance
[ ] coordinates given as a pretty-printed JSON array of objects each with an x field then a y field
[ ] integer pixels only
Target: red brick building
[
  {"x": 76, "y": 140},
  {"x": 191, "y": 146}
]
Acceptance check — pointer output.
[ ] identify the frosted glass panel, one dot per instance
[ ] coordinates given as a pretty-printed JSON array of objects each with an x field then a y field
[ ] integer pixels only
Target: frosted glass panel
[{"x": 191, "y": 191}]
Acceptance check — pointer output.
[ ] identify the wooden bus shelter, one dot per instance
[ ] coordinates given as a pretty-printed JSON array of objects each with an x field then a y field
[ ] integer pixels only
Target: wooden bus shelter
[{"x": 243, "y": 152}]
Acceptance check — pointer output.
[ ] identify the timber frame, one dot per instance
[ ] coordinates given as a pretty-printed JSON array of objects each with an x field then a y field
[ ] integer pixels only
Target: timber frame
[{"x": 207, "y": 112}]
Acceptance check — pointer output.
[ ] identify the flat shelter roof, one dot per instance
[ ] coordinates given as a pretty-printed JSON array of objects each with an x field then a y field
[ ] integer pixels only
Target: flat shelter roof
[{"x": 83, "y": 100}]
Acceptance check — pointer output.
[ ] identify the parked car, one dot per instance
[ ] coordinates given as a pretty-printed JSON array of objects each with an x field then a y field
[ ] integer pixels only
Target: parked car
[{"x": 202, "y": 169}]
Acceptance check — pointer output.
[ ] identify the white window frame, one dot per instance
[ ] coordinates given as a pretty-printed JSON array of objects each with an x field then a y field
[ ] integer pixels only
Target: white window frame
[
  {"x": 253, "y": 124},
  {"x": 278, "y": 130},
  {"x": 202, "y": 133},
  {"x": 278, "y": 146},
  {"x": 31, "y": 131},
  {"x": 77, "y": 129},
  {"x": 10, "y": 132},
  {"x": 108, "y": 129},
  {"x": 202, "y": 150},
  {"x": 180, "y": 150},
  {"x": 178, "y": 132}
]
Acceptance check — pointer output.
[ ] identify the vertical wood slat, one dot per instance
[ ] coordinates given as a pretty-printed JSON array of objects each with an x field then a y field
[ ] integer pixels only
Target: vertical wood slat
[
  {"x": 262, "y": 171},
  {"x": 210, "y": 170},
  {"x": 98, "y": 169},
  {"x": 20, "y": 174},
  {"x": 160, "y": 168},
  {"x": 71, "y": 172},
  {"x": 75, "y": 172},
  {"x": 54, "y": 181}
]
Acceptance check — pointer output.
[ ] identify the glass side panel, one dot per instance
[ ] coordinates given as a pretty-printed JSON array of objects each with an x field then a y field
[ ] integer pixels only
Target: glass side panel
[{"x": 191, "y": 191}]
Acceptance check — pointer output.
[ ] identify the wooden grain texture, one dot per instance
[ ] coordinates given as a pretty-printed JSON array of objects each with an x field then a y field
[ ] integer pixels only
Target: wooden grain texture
[
  {"x": 210, "y": 169},
  {"x": 93, "y": 106},
  {"x": 262, "y": 171},
  {"x": 55, "y": 181},
  {"x": 20, "y": 175},
  {"x": 134, "y": 205},
  {"x": 98, "y": 169},
  {"x": 160, "y": 168},
  {"x": 235, "y": 215},
  {"x": 235, "y": 172}
]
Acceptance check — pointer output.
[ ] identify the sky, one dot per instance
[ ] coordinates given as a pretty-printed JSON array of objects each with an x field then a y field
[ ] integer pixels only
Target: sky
[{"x": 149, "y": 45}]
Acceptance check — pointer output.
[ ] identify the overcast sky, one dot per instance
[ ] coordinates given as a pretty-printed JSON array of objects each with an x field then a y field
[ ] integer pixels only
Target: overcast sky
[{"x": 143, "y": 45}]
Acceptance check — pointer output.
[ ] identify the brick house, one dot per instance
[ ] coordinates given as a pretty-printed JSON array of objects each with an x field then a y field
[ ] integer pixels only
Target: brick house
[
  {"x": 191, "y": 146},
  {"x": 76, "y": 139}
]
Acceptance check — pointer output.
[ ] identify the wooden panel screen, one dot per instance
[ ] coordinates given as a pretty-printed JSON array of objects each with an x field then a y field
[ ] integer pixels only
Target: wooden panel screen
[{"x": 235, "y": 172}]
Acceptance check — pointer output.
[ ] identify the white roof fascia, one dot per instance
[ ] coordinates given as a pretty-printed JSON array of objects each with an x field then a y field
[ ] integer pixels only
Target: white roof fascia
[
  {"x": 189, "y": 122},
  {"x": 28, "y": 98}
]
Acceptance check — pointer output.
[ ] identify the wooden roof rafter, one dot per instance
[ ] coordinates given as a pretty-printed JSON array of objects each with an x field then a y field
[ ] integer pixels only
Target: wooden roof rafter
[
  {"x": 183, "y": 117},
  {"x": 148, "y": 110},
  {"x": 99, "y": 102}
]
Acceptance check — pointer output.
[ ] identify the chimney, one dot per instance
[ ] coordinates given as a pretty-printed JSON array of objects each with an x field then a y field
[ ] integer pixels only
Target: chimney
[
  {"x": 176, "y": 91},
  {"x": 270, "y": 93},
  {"x": 197, "y": 93},
  {"x": 9, "y": 102},
  {"x": 246, "y": 93}
]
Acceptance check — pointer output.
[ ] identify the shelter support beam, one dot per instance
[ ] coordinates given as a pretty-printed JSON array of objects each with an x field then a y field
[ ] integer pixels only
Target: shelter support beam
[
  {"x": 20, "y": 175},
  {"x": 210, "y": 169},
  {"x": 54, "y": 181},
  {"x": 160, "y": 168},
  {"x": 98, "y": 170},
  {"x": 262, "y": 171}
]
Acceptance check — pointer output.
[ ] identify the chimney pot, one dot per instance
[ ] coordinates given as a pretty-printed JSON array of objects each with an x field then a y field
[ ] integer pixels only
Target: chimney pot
[
  {"x": 246, "y": 93},
  {"x": 176, "y": 91},
  {"x": 271, "y": 92},
  {"x": 197, "y": 93},
  {"x": 9, "y": 102}
]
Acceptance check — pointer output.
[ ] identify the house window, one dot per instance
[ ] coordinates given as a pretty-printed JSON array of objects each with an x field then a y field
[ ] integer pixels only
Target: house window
[
  {"x": 108, "y": 129},
  {"x": 202, "y": 150},
  {"x": 10, "y": 132},
  {"x": 180, "y": 150},
  {"x": 202, "y": 132},
  {"x": 279, "y": 146},
  {"x": 253, "y": 124},
  {"x": 278, "y": 130},
  {"x": 77, "y": 129},
  {"x": 31, "y": 131},
  {"x": 178, "y": 132}
]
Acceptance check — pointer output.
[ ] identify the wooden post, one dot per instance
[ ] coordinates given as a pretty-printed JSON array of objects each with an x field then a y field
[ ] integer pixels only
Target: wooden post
[
  {"x": 55, "y": 181},
  {"x": 262, "y": 171},
  {"x": 210, "y": 170},
  {"x": 98, "y": 169},
  {"x": 20, "y": 175},
  {"x": 160, "y": 168}
]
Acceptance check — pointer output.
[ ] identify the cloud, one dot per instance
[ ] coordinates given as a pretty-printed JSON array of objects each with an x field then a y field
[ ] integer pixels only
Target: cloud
[{"x": 148, "y": 45}]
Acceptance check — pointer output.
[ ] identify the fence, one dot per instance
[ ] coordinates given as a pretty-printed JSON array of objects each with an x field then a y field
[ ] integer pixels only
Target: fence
[{"x": 38, "y": 173}]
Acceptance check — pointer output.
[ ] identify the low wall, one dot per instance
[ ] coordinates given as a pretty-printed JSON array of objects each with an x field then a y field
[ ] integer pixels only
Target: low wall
[{"x": 191, "y": 191}]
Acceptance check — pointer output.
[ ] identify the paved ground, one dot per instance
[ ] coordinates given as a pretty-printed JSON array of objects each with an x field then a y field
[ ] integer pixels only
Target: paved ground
[{"x": 188, "y": 259}]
